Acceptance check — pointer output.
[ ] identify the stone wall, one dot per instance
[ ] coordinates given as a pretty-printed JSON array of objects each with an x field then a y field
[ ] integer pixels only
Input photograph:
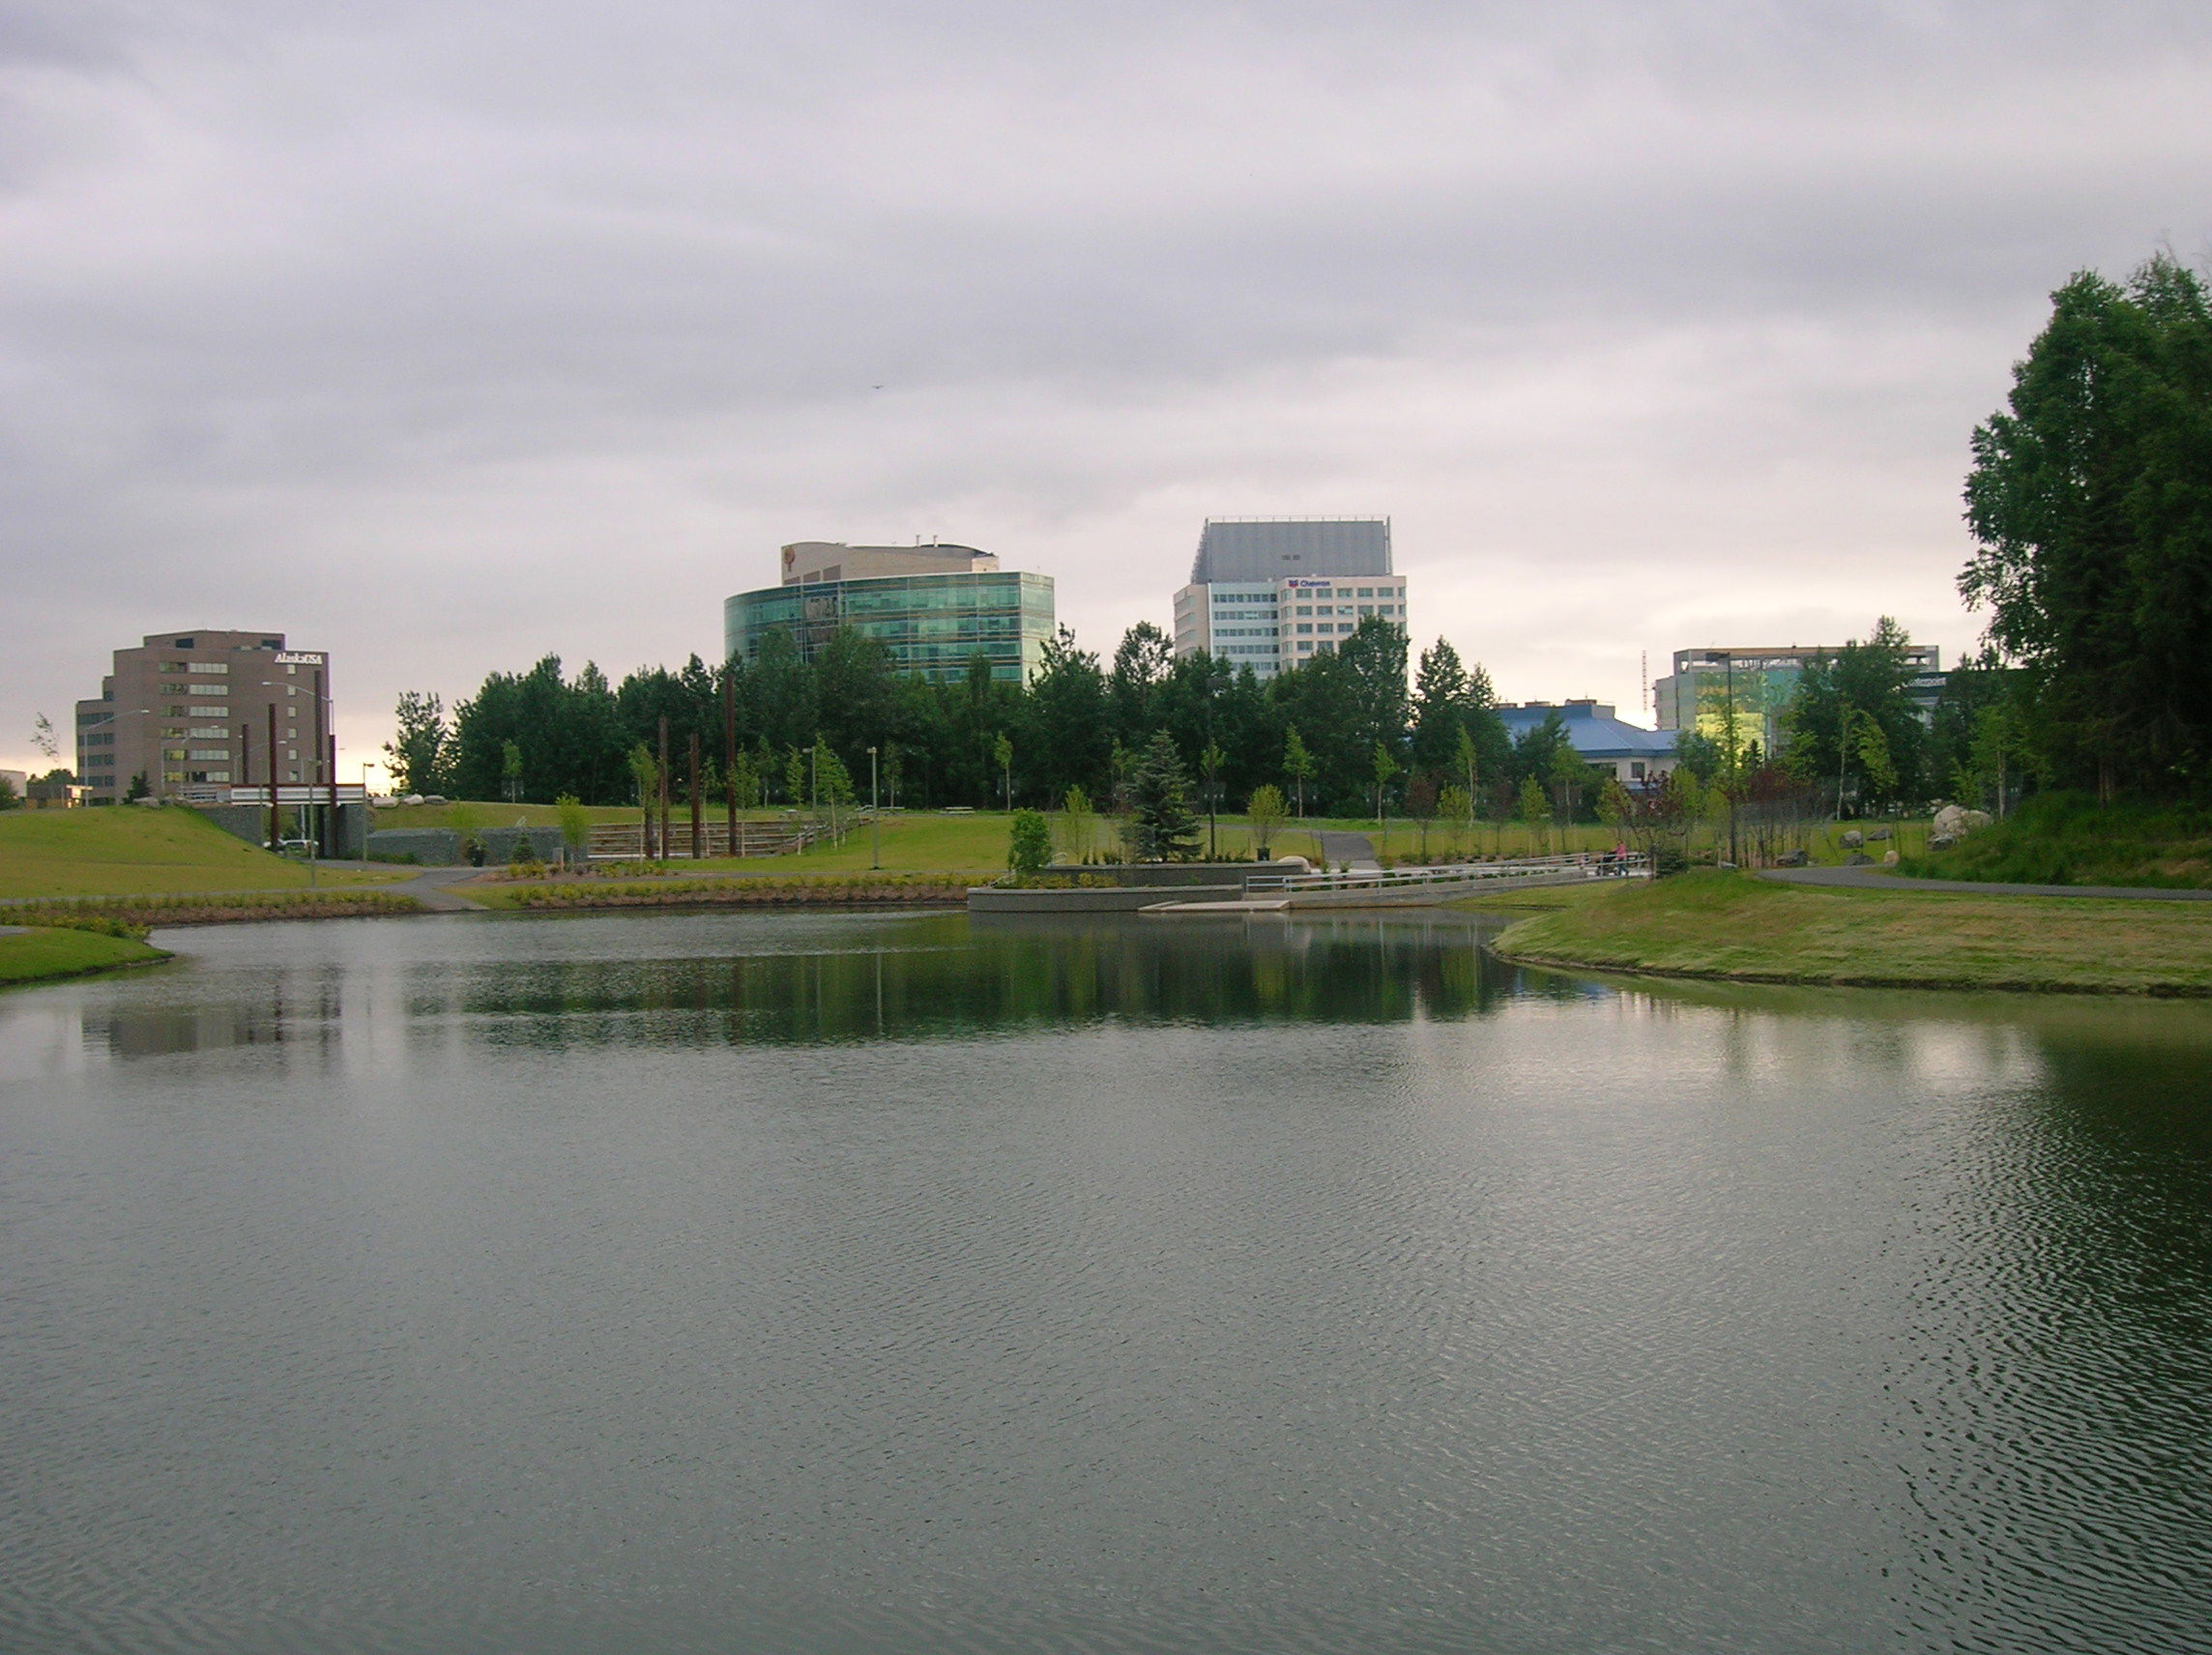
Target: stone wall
[{"x": 441, "y": 847}]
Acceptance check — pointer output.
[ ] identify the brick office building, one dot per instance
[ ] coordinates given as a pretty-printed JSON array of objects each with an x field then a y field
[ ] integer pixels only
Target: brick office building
[{"x": 192, "y": 710}]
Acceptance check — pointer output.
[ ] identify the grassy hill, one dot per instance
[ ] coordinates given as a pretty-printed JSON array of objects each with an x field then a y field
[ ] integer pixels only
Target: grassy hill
[
  {"x": 130, "y": 851},
  {"x": 2069, "y": 838}
]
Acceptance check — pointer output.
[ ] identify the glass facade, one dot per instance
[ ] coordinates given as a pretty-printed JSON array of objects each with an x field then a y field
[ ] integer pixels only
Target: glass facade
[
  {"x": 1759, "y": 685},
  {"x": 932, "y": 623}
]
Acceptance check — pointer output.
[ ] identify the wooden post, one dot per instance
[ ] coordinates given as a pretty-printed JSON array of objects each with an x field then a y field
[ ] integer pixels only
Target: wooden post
[
  {"x": 730, "y": 755},
  {"x": 696, "y": 824},
  {"x": 664, "y": 787}
]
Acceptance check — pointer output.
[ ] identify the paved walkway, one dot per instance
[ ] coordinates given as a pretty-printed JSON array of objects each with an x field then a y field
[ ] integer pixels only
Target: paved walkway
[
  {"x": 1873, "y": 879},
  {"x": 428, "y": 887},
  {"x": 1355, "y": 850}
]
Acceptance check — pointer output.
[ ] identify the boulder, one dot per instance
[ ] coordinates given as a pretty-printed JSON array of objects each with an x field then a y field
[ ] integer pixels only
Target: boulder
[
  {"x": 1792, "y": 860},
  {"x": 1858, "y": 859},
  {"x": 1889, "y": 858},
  {"x": 1874, "y": 835},
  {"x": 1853, "y": 839},
  {"x": 1955, "y": 821},
  {"x": 1941, "y": 841}
]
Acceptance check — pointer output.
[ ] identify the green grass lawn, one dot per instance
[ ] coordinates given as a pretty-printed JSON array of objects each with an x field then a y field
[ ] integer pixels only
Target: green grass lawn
[
  {"x": 1752, "y": 930},
  {"x": 130, "y": 851},
  {"x": 39, "y": 956}
]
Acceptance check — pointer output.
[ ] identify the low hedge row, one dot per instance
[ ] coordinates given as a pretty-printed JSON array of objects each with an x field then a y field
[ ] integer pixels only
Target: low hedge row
[
  {"x": 132, "y": 916},
  {"x": 826, "y": 888}
]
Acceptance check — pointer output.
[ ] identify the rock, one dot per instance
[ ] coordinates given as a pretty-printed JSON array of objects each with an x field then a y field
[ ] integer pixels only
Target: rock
[
  {"x": 1889, "y": 858},
  {"x": 1853, "y": 839},
  {"x": 1792, "y": 860},
  {"x": 1955, "y": 822},
  {"x": 1876, "y": 833},
  {"x": 1858, "y": 859},
  {"x": 1941, "y": 841}
]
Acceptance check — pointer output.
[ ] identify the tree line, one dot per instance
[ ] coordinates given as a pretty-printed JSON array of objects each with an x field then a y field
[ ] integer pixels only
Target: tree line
[
  {"x": 2089, "y": 499},
  {"x": 1342, "y": 734}
]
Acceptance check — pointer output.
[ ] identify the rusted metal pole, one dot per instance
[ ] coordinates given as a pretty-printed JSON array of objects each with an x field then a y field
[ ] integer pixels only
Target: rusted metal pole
[
  {"x": 314, "y": 832},
  {"x": 730, "y": 755},
  {"x": 664, "y": 787},
  {"x": 273, "y": 833},
  {"x": 697, "y": 825}
]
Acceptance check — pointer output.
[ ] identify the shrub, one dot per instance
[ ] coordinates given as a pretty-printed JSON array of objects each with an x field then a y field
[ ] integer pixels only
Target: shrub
[{"x": 1029, "y": 842}]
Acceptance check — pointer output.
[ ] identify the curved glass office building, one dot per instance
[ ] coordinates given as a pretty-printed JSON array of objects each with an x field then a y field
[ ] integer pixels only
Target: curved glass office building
[{"x": 933, "y": 607}]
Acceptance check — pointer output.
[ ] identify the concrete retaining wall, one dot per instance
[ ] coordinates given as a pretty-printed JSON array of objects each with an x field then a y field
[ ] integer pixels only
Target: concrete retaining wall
[
  {"x": 251, "y": 822},
  {"x": 1156, "y": 874},
  {"x": 441, "y": 847},
  {"x": 1117, "y": 899}
]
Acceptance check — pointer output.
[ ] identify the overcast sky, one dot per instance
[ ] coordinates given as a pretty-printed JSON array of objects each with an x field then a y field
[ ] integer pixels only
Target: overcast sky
[{"x": 447, "y": 333}]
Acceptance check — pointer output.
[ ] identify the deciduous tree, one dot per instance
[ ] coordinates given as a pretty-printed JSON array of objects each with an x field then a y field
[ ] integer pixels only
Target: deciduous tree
[{"x": 2090, "y": 498}]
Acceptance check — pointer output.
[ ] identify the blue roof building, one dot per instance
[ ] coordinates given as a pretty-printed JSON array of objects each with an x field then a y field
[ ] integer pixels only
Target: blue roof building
[{"x": 1631, "y": 753}]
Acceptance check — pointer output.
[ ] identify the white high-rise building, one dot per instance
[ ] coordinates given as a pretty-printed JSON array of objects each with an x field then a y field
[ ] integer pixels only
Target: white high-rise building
[{"x": 1268, "y": 592}]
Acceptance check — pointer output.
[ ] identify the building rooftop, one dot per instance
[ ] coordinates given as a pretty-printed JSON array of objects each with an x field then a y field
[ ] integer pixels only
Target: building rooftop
[
  {"x": 806, "y": 562},
  {"x": 1591, "y": 726},
  {"x": 1276, "y": 548}
]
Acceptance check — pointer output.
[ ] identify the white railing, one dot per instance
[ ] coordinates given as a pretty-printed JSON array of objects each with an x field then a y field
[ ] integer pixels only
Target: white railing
[
  {"x": 287, "y": 793},
  {"x": 1591, "y": 864}
]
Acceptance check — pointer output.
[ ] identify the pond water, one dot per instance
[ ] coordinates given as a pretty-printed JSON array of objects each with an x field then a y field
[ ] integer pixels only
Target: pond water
[{"x": 905, "y": 1282}]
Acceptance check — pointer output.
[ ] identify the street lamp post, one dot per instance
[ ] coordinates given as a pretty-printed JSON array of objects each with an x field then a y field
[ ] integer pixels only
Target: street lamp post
[
  {"x": 875, "y": 816},
  {"x": 366, "y": 765}
]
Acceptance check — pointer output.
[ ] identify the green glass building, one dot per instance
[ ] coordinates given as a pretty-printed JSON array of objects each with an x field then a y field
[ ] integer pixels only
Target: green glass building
[
  {"x": 932, "y": 623},
  {"x": 1760, "y": 683}
]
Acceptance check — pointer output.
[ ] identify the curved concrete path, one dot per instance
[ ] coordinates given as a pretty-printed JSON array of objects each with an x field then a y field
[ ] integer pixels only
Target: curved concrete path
[
  {"x": 1355, "y": 851},
  {"x": 428, "y": 887},
  {"x": 1873, "y": 879}
]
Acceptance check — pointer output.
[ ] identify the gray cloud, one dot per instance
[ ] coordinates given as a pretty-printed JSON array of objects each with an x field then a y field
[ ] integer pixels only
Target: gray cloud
[{"x": 446, "y": 333}]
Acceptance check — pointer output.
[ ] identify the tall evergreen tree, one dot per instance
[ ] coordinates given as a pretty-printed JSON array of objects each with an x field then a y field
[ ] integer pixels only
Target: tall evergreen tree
[{"x": 1164, "y": 828}]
